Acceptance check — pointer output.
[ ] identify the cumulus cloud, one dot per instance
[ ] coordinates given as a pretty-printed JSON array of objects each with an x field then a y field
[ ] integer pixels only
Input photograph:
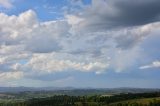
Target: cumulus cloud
[
  {"x": 27, "y": 31},
  {"x": 48, "y": 63},
  {"x": 155, "y": 64}
]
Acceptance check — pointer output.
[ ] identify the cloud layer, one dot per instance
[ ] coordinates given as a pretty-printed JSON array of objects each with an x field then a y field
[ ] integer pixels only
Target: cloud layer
[{"x": 94, "y": 40}]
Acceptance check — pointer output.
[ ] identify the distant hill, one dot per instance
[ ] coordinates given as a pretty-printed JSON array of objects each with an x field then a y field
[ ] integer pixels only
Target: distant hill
[
  {"x": 77, "y": 91},
  {"x": 23, "y": 89}
]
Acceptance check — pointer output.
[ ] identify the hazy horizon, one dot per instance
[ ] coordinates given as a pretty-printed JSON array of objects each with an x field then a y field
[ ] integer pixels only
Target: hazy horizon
[
  {"x": 72, "y": 87},
  {"x": 80, "y": 43}
]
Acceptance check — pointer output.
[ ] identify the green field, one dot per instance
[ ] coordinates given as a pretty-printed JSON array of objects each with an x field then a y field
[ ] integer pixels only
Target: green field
[{"x": 145, "y": 101}]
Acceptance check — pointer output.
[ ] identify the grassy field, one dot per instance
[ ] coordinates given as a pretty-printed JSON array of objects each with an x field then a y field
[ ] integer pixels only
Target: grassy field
[{"x": 144, "y": 101}]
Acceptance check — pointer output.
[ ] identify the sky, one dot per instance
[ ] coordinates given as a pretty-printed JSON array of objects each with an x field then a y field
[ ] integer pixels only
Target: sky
[{"x": 80, "y": 43}]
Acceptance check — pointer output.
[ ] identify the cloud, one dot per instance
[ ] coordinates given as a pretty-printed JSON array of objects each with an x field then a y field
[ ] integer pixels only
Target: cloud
[
  {"x": 6, "y": 3},
  {"x": 49, "y": 35},
  {"x": 26, "y": 30},
  {"x": 94, "y": 40},
  {"x": 5, "y": 76},
  {"x": 42, "y": 64},
  {"x": 124, "y": 60},
  {"x": 121, "y": 13},
  {"x": 130, "y": 37},
  {"x": 32, "y": 41},
  {"x": 155, "y": 64}
]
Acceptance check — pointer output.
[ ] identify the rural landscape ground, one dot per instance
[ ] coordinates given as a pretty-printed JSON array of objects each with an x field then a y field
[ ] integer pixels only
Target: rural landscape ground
[{"x": 79, "y": 97}]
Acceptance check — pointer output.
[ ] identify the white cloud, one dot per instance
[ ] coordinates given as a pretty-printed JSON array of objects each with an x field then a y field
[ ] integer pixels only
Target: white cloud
[
  {"x": 6, "y": 3},
  {"x": 155, "y": 64},
  {"x": 72, "y": 19},
  {"x": 26, "y": 30},
  {"x": 5, "y": 76},
  {"x": 48, "y": 63}
]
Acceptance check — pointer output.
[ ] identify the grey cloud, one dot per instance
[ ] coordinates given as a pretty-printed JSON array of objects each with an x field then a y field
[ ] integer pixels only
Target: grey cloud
[
  {"x": 4, "y": 67},
  {"x": 125, "y": 42},
  {"x": 125, "y": 22},
  {"x": 47, "y": 37},
  {"x": 128, "y": 38},
  {"x": 42, "y": 45},
  {"x": 138, "y": 12},
  {"x": 104, "y": 14}
]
